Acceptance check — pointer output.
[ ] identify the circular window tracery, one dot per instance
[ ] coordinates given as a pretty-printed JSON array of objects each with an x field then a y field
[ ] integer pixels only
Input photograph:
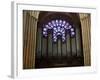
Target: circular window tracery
[{"x": 59, "y": 28}]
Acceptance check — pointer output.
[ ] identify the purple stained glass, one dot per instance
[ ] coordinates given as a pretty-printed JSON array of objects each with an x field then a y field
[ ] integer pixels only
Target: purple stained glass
[
  {"x": 72, "y": 33},
  {"x": 58, "y": 33},
  {"x": 44, "y": 29},
  {"x": 59, "y": 28},
  {"x": 72, "y": 29},
  {"x": 53, "y": 23},
  {"x": 70, "y": 26},
  {"x": 57, "y": 22},
  {"x": 63, "y": 23}
]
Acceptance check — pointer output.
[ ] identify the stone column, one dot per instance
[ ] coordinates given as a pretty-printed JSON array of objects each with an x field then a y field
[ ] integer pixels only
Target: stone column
[
  {"x": 86, "y": 37},
  {"x": 29, "y": 38}
]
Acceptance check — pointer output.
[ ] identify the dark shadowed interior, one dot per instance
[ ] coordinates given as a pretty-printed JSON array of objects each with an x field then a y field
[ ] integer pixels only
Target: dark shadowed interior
[{"x": 50, "y": 54}]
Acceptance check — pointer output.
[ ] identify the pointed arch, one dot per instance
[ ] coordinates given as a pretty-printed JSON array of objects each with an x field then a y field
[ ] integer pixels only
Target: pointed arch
[{"x": 49, "y": 54}]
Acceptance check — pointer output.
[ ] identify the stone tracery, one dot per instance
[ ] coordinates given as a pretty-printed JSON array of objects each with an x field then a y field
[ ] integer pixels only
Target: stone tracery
[{"x": 59, "y": 27}]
